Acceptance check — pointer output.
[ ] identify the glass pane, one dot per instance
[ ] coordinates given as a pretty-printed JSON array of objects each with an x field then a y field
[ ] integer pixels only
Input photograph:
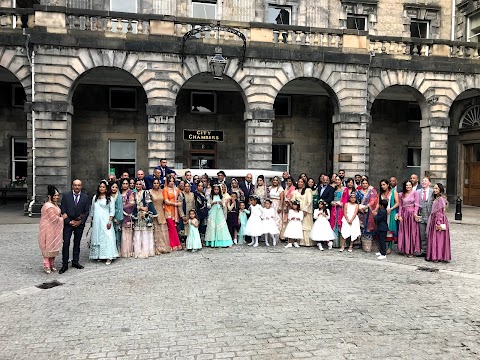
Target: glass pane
[
  {"x": 203, "y": 102},
  {"x": 356, "y": 22},
  {"x": 119, "y": 169},
  {"x": 203, "y": 161},
  {"x": 418, "y": 29},
  {"x": 122, "y": 151},
  {"x": 282, "y": 105},
  {"x": 279, "y": 167},
  {"x": 279, "y": 154},
  {"x": 20, "y": 149},
  {"x": 279, "y": 15},
  {"x": 414, "y": 157},
  {"x": 476, "y": 153},
  {"x": 128, "y": 6},
  {"x": 203, "y": 10},
  {"x": 20, "y": 169},
  {"x": 123, "y": 99}
]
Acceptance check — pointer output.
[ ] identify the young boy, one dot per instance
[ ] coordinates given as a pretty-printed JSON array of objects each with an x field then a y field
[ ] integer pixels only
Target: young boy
[{"x": 382, "y": 228}]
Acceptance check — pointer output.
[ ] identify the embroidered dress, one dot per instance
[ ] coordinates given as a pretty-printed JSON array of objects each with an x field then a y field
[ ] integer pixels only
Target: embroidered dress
[
  {"x": 143, "y": 243},
  {"x": 242, "y": 218},
  {"x": 232, "y": 217},
  {"x": 217, "y": 234},
  {"x": 268, "y": 224},
  {"x": 287, "y": 197},
  {"x": 321, "y": 229},
  {"x": 352, "y": 230},
  {"x": 201, "y": 205},
  {"x": 126, "y": 246},
  {"x": 367, "y": 222},
  {"x": 408, "y": 228},
  {"x": 307, "y": 222},
  {"x": 193, "y": 239},
  {"x": 254, "y": 223},
  {"x": 294, "y": 228},
  {"x": 337, "y": 215},
  {"x": 275, "y": 193},
  {"x": 50, "y": 233},
  {"x": 392, "y": 233},
  {"x": 438, "y": 243},
  {"x": 103, "y": 243},
  {"x": 118, "y": 218},
  {"x": 171, "y": 214},
  {"x": 160, "y": 229}
]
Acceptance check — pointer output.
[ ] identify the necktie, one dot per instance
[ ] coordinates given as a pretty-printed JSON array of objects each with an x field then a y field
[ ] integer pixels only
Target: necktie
[
  {"x": 424, "y": 195},
  {"x": 76, "y": 199}
]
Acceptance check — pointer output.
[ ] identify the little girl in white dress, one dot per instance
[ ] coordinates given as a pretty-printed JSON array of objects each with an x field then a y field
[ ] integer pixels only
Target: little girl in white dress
[
  {"x": 321, "y": 229},
  {"x": 194, "y": 242},
  {"x": 254, "y": 226},
  {"x": 350, "y": 222},
  {"x": 268, "y": 224},
  {"x": 294, "y": 230}
]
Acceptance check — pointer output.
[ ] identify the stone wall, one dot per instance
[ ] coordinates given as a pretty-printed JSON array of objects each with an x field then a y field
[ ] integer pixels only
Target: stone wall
[{"x": 93, "y": 125}]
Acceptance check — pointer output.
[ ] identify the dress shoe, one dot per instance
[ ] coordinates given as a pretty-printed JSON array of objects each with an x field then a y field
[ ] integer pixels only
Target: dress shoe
[
  {"x": 63, "y": 269},
  {"x": 77, "y": 266}
]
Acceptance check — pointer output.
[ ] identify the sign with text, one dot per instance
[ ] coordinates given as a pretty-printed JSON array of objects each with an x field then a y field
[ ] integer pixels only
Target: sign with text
[{"x": 203, "y": 135}]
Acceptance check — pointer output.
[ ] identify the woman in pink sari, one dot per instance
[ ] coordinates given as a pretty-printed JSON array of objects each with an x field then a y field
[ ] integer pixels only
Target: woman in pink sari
[
  {"x": 336, "y": 215},
  {"x": 438, "y": 229},
  {"x": 171, "y": 204},
  {"x": 367, "y": 197},
  {"x": 287, "y": 202},
  {"x": 408, "y": 228},
  {"x": 50, "y": 234}
]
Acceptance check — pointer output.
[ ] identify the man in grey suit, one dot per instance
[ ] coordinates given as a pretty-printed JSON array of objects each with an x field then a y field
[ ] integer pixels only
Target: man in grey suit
[{"x": 426, "y": 200}]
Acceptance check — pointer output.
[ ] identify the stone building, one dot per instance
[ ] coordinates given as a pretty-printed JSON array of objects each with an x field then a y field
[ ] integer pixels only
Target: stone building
[{"x": 377, "y": 87}]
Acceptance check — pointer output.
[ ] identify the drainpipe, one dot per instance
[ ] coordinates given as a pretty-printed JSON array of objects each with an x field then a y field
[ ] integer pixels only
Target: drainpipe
[
  {"x": 454, "y": 12},
  {"x": 31, "y": 60}
]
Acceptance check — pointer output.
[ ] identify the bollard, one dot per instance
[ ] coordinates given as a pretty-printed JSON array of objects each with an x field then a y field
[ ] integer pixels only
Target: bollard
[{"x": 458, "y": 209}]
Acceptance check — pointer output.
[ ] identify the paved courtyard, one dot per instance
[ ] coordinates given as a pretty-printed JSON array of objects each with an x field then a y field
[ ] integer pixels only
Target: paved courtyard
[{"x": 241, "y": 303}]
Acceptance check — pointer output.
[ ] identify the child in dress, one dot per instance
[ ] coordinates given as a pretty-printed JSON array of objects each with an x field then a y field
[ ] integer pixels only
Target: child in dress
[
  {"x": 217, "y": 234},
  {"x": 232, "y": 216},
  {"x": 350, "y": 222},
  {"x": 254, "y": 223},
  {"x": 321, "y": 230},
  {"x": 193, "y": 239},
  {"x": 382, "y": 228},
  {"x": 294, "y": 230},
  {"x": 242, "y": 220},
  {"x": 268, "y": 224}
]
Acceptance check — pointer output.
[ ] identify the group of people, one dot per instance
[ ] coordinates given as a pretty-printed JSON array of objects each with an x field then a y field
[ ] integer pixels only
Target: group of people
[{"x": 157, "y": 214}]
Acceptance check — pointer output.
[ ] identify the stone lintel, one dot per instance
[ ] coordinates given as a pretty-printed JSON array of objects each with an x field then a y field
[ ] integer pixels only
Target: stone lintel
[
  {"x": 440, "y": 122},
  {"x": 161, "y": 110},
  {"x": 260, "y": 114},
  {"x": 351, "y": 118},
  {"x": 49, "y": 106}
]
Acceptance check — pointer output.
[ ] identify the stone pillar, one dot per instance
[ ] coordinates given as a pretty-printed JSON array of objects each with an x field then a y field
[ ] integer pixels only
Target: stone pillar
[
  {"x": 258, "y": 139},
  {"x": 351, "y": 143},
  {"x": 52, "y": 148},
  {"x": 434, "y": 149},
  {"x": 161, "y": 134}
]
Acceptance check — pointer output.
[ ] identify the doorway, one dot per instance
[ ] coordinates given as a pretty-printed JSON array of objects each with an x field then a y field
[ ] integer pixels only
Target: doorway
[
  {"x": 203, "y": 155},
  {"x": 471, "y": 187}
]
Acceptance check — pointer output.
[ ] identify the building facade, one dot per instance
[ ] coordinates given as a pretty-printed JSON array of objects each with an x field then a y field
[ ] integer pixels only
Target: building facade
[{"x": 384, "y": 88}]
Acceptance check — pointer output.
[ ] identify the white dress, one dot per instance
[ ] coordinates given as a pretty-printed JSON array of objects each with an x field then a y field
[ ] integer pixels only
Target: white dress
[
  {"x": 294, "y": 229},
  {"x": 351, "y": 230},
  {"x": 321, "y": 229},
  {"x": 269, "y": 225},
  {"x": 254, "y": 225}
]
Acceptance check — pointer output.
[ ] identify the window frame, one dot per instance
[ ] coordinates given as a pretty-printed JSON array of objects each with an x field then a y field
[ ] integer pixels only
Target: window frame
[
  {"x": 14, "y": 97},
  {"x": 365, "y": 17},
  {"x": 289, "y": 8},
  {"x": 215, "y": 103},
  {"x": 132, "y": 89},
  {"x": 427, "y": 22},
  {"x": 136, "y": 6},
  {"x": 419, "y": 149},
  {"x": 289, "y": 97},
  {"x": 469, "y": 27},
  {"x": 287, "y": 164},
  {"x": 213, "y": 3},
  {"x": 110, "y": 162},
  {"x": 13, "y": 160}
]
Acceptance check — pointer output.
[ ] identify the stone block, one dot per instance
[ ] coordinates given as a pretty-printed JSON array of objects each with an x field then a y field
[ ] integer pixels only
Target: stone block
[
  {"x": 50, "y": 134},
  {"x": 50, "y": 168},
  {"x": 261, "y": 35},
  {"x": 355, "y": 43},
  {"x": 441, "y": 50},
  {"x": 50, "y": 20}
]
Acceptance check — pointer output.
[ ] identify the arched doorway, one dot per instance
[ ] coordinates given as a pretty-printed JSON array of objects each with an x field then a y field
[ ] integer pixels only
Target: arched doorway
[
  {"x": 13, "y": 132},
  {"x": 463, "y": 170},
  {"x": 303, "y": 129},
  {"x": 210, "y": 126},
  {"x": 109, "y": 126},
  {"x": 395, "y": 134}
]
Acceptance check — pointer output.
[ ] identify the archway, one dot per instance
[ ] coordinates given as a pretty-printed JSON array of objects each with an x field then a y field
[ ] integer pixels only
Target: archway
[
  {"x": 303, "y": 129},
  {"x": 210, "y": 127},
  {"x": 109, "y": 126},
  {"x": 463, "y": 171},
  {"x": 395, "y": 133},
  {"x": 13, "y": 132}
]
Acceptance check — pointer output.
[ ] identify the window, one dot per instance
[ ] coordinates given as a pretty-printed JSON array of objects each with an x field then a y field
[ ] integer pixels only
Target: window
[
  {"x": 473, "y": 27},
  {"x": 203, "y": 102},
  {"x": 126, "y": 6},
  {"x": 123, "y": 99},
  {"x": 281, "y": 157},
  {"x": 283, "y": 105},
  {"x": 414, "y": 112},
  {"x": 280, "y": 15},
  {"x": 414, "y": 157},
  {"x": 204, "y": 9},
  {"x": 19, "y": 158},
  {"x": 419, "y": 29},
  {"x": 18, "y": 96},
  {"x": 122, "y": 156},
  {"x": 356, "y": 22}
]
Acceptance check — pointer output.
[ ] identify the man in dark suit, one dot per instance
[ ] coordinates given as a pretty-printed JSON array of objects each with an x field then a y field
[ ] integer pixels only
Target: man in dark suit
[
  {"x": 76, "y": 205},
  {"x": 325, "y": 191},
  {"x": 149, "y": 178},
  {"x": 220, "y": 180},
  {"x": 247, "y": 187},
  {"x": 164, "y": 171}
]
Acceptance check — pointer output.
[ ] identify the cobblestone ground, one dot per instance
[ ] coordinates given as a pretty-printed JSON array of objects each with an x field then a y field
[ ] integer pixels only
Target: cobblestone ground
[{"x": 241, "y": 303}]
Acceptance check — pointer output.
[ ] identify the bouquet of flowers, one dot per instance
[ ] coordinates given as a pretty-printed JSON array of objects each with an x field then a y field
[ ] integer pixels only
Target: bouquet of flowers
[{"x": 18, "y": 182}]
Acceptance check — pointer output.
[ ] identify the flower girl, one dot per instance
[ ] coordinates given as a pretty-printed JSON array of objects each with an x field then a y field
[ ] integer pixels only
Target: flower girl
[
  {"x": 321, "y": 230},
  {"x": 350, "y": 222},
  {"x": 242, "y": 220},
  {"x": 193, "y": 239},
  {"x": 294, "y": 230},
  {"x": 268, "y": 224},
  {"x": 254, "y": 223}
]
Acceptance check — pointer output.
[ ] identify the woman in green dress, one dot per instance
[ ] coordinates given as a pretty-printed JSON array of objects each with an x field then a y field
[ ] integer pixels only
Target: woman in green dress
[{"x": 217, "y": 234}]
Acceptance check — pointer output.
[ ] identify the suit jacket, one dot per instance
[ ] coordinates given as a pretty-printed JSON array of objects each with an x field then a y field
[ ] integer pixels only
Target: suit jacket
[
  {"x": 75, "y": 212},
  {"x": 164, "y": 173},
  {"x": 425, "y": 206},
  {"x": 149, "y": 181},
  {"x": 327, "y": 194},
  {"x": 243, "y": 186},
  {"x": 381, "y": 220}
]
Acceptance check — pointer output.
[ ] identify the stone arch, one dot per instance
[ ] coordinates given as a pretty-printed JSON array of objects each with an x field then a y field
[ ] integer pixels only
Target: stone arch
[
  {"x": 17, "y": 64},
  {"x": 458, "y": 85}
]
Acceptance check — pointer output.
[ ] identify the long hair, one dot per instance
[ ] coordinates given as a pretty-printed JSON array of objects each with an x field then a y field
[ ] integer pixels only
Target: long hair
[
  {"x": 442, "y": 191},
  {"x": 304, "y": 186},
  {"x": 108, "y": 194},
  {"x": 51, "y": 191},
  {"x": 219, "y": 192},
  {"x": 404, "y": 186},
  {"x": 380, "y": 185}
]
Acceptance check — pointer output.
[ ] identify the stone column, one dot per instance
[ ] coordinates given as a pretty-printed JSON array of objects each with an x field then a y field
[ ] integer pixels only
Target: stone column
[
  {"x": 434, "y": 149},
  {"x": 161, "y": 134},
  {"x": 351, "y": 143},
  {"x": 52, "y": 148},
  {"x": 258, "y": 139}
]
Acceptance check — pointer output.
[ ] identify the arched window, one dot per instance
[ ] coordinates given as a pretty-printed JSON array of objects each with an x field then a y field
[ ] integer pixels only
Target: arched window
[{"x": 471, "y": 117}]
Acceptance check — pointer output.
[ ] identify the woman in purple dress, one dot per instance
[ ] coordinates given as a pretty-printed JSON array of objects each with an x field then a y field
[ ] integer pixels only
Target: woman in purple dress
[
  {"x": 438, "y": 230},
  {"x": 408, "y": 228}
]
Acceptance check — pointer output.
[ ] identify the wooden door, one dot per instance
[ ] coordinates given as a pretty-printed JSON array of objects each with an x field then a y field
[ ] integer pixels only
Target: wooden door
[{"x": 471, "y": 192}]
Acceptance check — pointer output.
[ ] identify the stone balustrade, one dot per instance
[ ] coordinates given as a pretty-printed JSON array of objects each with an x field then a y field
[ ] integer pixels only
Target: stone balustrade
[{"x": 16, "y": 18}]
